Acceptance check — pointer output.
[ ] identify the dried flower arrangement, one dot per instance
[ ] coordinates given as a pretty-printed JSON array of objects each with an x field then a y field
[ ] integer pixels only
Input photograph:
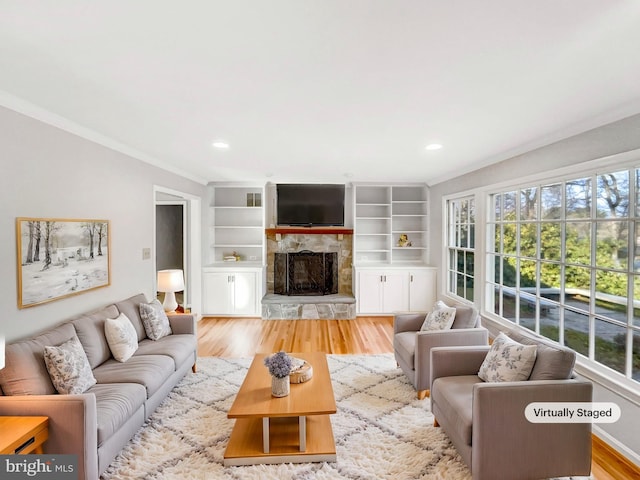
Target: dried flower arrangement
[{"x": 279, "y": 364}]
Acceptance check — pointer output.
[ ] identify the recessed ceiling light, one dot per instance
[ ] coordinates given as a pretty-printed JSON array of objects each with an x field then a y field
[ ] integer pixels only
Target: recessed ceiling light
[
  {"x": 433, "y": 146},
  {"x": 220, "y": 144}
]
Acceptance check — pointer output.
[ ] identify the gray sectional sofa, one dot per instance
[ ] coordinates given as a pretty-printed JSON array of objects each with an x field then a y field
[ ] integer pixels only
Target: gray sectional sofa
[{"x": 97, "y": 424}]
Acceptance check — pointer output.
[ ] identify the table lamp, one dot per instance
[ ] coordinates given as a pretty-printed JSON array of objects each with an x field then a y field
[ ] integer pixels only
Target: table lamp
[
  {"x": 170, "y": 282},
  {"x": 1, "y": 352}
]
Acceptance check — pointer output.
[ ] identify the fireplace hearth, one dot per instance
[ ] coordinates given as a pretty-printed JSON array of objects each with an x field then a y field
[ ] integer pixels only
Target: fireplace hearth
[{"x": 306, "y": 273}]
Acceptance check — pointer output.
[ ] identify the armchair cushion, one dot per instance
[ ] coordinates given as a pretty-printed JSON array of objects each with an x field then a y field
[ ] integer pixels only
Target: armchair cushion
[
  {"x": 508, "y": 361},
  {"x": 553, "y": 361},
  {"x": 455, "y": 395},
  {"x": 440, "y": 318}
]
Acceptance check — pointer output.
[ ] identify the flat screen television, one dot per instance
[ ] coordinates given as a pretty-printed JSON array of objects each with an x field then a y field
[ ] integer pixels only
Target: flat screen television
[{"x": 310, "y": 204}]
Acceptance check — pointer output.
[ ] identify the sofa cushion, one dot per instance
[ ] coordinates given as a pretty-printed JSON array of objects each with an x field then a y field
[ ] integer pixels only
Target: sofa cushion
[
  {"x": 178, "y": 347},
  {"x": 131, "y": 308},
  {"x": 155, "y": 320},
  {"x": 69, "y": 367},
  {"x": 148, "y": 370},
  {"x": 90, "y": 330},
  {"x": 507, "y": 361},
  {"x": 553, "y": 361},
  {"x": 115, "y": 404},
  {"x": 121, "y": 337},
  {"x": 466, "y": 317},
  {"x": 440, "y": 318},
  {"x": 404, "y": 343},
  {"x": 454, "y": 396},
  {"x": 25, "y": 372}
]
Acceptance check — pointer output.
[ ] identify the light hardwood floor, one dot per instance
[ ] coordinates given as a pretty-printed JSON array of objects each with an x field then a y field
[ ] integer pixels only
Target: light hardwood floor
[{"x": 243, "y": 337}]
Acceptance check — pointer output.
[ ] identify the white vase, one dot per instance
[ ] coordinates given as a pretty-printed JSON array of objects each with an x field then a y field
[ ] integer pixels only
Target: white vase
[{"x": 280, "y": 386}]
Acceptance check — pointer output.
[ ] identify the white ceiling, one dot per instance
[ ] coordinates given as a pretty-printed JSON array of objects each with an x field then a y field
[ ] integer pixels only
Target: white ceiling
[{"x": 322, "y": 90}]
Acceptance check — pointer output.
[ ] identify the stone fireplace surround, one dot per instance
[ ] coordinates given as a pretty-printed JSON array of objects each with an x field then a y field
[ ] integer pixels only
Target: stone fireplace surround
[{"x": 316, "y": 239}]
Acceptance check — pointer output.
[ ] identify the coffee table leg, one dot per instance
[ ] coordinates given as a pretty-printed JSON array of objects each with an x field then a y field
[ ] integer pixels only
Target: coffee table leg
[
  {"x": 302, "y": 428},
  {"x": 265, "y": 434}
]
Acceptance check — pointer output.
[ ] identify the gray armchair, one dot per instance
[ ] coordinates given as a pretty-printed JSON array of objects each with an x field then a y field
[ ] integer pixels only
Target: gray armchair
[
  {"x": 412, "y": 348},
  {"x": 485, "y": 421}
]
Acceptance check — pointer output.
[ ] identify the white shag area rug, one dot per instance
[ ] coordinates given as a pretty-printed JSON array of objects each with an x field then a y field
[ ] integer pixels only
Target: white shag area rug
[{"x": 382, "y": 431}]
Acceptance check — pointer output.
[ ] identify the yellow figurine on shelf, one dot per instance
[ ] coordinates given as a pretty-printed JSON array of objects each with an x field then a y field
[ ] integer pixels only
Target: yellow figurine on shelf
[{"x": 404, "y": 240}]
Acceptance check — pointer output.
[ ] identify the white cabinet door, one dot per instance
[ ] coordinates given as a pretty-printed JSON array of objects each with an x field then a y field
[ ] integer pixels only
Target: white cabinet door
[
  {"x": 395, "y": 291},
  {"x": 244, "y": 293},
  {"x": 230, "y": 293},
  {"x": 217, "y": 298},
  {"x": 369, "y": 291},
  {"x": 422, "y": 290}
]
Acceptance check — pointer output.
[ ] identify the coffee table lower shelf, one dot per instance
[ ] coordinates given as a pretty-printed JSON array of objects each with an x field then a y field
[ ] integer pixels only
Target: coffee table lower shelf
[{"x": 246, "y": 443}]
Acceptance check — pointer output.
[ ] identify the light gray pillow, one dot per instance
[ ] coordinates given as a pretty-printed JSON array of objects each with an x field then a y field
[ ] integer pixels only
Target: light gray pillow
[
  {"x": 121, "y": 337},
  {"x": 155, "y": 320},
  {"x": 507, "y": 361},
  {"x": 440, "y": 318},
  {"x": 68, "y": 367}
]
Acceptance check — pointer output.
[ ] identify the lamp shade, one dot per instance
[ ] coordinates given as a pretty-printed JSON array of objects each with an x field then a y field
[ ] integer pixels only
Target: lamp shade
[
  {"x": 1, "y": 352},
  {"x": 170, "y": 280}
]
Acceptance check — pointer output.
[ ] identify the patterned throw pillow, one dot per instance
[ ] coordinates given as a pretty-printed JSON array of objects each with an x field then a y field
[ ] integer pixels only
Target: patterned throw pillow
[
  {"x": 440, "y": 318},
  {"x": 68, "y": 367},
  {"x": 155, "y": 321},
  {"x": 508, "y": 361},
  {"x": 121, "y": 337}
]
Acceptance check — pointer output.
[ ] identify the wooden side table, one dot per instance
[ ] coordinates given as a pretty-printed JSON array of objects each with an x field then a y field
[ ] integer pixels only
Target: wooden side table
[{"x": 23, "y": 434}]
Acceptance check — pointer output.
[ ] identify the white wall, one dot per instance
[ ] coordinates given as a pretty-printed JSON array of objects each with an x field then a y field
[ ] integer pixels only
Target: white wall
[
  {"x": 47, "y": 172},
  {"x": 617, "y": 137}
]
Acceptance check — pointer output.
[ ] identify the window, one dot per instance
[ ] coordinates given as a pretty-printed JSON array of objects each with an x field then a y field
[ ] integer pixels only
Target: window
[
  {"x": 461, "y": 246},
  {"x": 563, "y": 260}
]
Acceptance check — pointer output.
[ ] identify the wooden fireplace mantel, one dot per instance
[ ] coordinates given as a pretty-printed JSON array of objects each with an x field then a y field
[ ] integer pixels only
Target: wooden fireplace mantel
[{"x": 310, "y": 230}]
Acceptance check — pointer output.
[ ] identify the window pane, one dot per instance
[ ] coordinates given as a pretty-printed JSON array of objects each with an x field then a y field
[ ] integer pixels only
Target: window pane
[
  {"x": 577, "y": 287},
  {"x": 550, "y": 241},
  {"x": 469, "y": 256},
  {"x": 509, "y": 238},
  {"x": 578, "y": 198},
  {"x": 497, "y": 207},
  {"x": 610, "y": 345},
  {"x": 550, "y": 280},
  {"x": 635, "y": 373},
  {"x": 611, "y": 244},
  {"x": 509, "y": 304},
  {"x": 528, "y": 311},
  {"x": 497, "y": 235},
  {"x": 613, "y": 195},
  {"x": 528, "y": 278},
  {"x": 509, "y": 271},
  {"x": 529, "y": 204},
  {"x": 576, "y": 331},
  {"x": 529, "y": 240},
  {"x": 549, "y": 323},
  {"x": 551, "y": 201},
  {"x": 578, "y": 242},
  {"x": 472, "y": 236},
  {"x": 611, "y": 294},
  {"x": 509, "y": 206},
  {"x": 636, "y": 303},
  {"x": 463, "y": 240},
  {"x": 636, "y": 256}
]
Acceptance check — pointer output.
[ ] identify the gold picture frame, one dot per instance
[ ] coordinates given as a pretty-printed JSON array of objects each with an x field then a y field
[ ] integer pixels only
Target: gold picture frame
[{"x": 60, "y": 257}]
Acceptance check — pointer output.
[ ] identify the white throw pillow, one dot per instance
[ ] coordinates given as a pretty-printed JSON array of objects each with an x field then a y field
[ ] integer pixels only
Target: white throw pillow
[
  {"x": 68, "y": 367},
  {"x": 440, "y": 318},
  {"x": 121, "y": 337},
  {"x": 155, "y": 321},
  {"x": 508, "y": 361}
]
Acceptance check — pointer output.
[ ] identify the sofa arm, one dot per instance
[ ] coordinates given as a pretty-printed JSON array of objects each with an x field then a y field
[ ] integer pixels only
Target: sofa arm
[
  {"x": 182, "y": 323},
  {"x": 454, "y": 361},
  {"x": 408, "y": 322},
  {"x": 73, "y": 425},
  {"x": 501, "y": 430}
]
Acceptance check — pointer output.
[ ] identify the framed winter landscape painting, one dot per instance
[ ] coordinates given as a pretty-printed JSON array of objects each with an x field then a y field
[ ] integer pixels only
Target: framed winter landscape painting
[{"x": 61, "y": 257}]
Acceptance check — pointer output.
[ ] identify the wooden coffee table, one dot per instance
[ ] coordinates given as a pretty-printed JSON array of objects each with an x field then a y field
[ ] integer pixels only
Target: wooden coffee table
[{"x": 291, "y": 429}]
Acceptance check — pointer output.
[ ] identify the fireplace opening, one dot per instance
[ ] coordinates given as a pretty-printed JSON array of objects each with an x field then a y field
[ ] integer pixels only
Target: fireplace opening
[{"x": 306, "y": 273}]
